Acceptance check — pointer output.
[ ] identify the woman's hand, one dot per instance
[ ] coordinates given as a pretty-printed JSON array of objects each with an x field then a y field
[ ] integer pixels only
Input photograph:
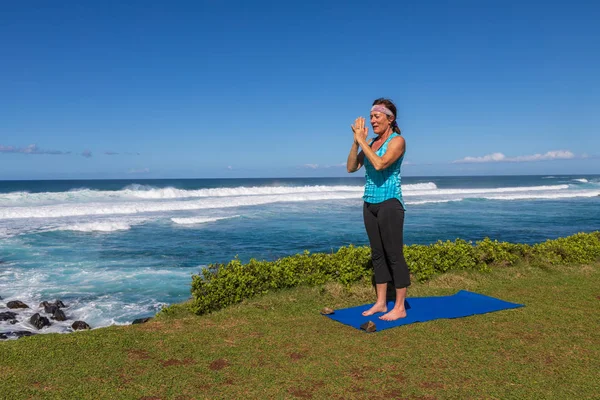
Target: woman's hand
[{"x": 359, "y": 129}]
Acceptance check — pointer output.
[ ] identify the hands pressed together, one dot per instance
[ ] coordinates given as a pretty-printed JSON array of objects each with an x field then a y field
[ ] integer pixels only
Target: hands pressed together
[{"x": 360, "y": 131}]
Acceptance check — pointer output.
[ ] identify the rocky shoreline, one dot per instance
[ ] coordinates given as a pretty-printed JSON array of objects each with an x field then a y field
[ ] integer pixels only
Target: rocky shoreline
[{"x": 47, "y": 311}]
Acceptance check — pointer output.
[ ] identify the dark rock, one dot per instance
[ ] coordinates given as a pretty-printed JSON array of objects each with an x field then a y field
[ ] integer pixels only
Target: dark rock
[
  {"x": 327, "y": 311},
  {"x": 368, "y": 326},
  {"x": 59, "y": 315},
  {"x": 13, "y": 321},
  {"x": 38, "y": 321},
  {"x": 141, "y": 320},
  {"x": 8, "y": 315},
  {"x": 50, "y": 308},
  {"x": 17, "y": 334},
  {"x": 16, "y": 304},
  {"x": 79, "y": 325},
  {"x": 20, "y": 334}
]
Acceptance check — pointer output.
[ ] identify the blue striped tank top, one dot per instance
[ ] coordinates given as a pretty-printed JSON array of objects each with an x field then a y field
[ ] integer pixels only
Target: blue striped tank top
[{"x": 385, "y": 184}]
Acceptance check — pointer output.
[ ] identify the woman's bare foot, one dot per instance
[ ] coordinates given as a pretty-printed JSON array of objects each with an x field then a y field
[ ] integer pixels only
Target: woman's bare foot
[
  {"x": 394, "y": 315},
  {"x": 377, "y": 308}
]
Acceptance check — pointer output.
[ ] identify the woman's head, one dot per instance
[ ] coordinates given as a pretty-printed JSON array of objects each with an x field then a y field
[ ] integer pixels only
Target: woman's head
[{"x": 383, "y": 116}]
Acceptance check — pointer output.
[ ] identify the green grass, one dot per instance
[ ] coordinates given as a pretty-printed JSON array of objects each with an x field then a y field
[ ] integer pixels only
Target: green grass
[{"x": 278, "y": 346}]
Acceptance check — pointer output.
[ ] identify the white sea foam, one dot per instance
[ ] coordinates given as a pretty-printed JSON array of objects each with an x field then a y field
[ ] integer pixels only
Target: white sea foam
[
  {"x": 198, "y": 220},
  {"x": 418, "y": 186},
  {"x": 97, "y": 227},
  {"x": 419, "y": 202},
  {"x": 134, "y": 192},
  {"x": 149, "y": 202},
  {"x": 128, "y": 293},
  {"x": 582, "y": 180},
  {"x": 545, "y": 196},
  {"x": 442, "y": 192}
]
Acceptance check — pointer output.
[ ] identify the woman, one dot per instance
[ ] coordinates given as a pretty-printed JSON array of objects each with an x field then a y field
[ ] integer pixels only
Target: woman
[{"x": 383, "y": 208}]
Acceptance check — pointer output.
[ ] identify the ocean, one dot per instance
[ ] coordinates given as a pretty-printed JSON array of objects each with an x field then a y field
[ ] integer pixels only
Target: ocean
[{"x": 117, "y": 250}]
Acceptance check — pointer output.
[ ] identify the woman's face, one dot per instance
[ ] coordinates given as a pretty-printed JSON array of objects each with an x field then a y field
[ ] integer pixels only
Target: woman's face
[{"x": 380, "y": 122}]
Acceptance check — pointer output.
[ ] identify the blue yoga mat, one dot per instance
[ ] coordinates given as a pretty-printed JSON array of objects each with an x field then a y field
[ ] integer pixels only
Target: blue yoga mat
[{"x": 421, "y": 309}]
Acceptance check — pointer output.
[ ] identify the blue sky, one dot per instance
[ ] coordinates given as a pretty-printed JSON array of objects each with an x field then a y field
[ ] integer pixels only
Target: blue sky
[{"x": 201, "y": 89}]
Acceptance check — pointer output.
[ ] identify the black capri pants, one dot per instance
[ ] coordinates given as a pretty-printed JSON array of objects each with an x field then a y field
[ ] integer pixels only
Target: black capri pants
[{"x": 384, "y": 223}]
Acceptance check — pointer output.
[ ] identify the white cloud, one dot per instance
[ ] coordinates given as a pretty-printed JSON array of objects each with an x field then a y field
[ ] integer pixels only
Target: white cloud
[
  {"x": 312, "y": 166},
  {"x": 139, "y": 171},
  {"x": 499, "y": 157},
  {"x": 31, "y": 149}
]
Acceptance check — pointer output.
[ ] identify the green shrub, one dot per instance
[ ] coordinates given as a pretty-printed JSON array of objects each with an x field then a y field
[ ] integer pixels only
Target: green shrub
[
  {"x": 221, "y": 285},
  {"x": 427, "y": 261},
  {"x": 580, "y": 248},
  {"x": 495, "y": 253}
]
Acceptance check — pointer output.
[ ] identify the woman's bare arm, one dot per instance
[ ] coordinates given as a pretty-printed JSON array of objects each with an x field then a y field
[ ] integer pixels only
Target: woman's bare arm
[{"x": 355, "y": 159}]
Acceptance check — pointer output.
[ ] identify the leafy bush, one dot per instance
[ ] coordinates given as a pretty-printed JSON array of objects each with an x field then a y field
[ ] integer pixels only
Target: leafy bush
[
  {"x": 426, "y": 261},
  {"x": 580, "y": 248},
  {"x": 495, "y": 253},
  {"x": 221, "y": 285}
]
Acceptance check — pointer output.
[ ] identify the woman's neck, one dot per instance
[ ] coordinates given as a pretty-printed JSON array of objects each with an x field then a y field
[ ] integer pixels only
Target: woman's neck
[{"x": 385, "y": 135}]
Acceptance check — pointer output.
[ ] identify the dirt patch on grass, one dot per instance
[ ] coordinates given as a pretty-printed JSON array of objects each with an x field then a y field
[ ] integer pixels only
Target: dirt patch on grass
[
  {"x": 172, "y": 362},
  {"x": 297, "y": 356},
  {"x": 231, "y": 323},
  {"x": 393, "y": 394},
  {"x": 138, "y": 355},
  {"x": 218, "y": 364},
  {"x": 150, "y": 398},
  {"x": 356, "y": 373},
  {"x": 151, "y": 326},
  {"x": 301, "y": 393},
  {"x": 43, "y": 387},
  {"x": 432, "y": 385},
  {"x": 357, "y": 389}
]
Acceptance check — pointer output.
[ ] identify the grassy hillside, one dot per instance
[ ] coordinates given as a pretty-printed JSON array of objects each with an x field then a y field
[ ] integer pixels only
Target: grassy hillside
[{"x": 278, "y": 346}]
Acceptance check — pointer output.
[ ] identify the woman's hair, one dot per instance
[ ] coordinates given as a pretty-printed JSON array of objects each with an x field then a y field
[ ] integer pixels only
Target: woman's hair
[{"x": 392, "y": 107}]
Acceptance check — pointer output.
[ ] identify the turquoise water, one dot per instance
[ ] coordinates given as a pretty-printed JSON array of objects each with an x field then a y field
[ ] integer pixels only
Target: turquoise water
[{"x": 119, "y": 250}]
